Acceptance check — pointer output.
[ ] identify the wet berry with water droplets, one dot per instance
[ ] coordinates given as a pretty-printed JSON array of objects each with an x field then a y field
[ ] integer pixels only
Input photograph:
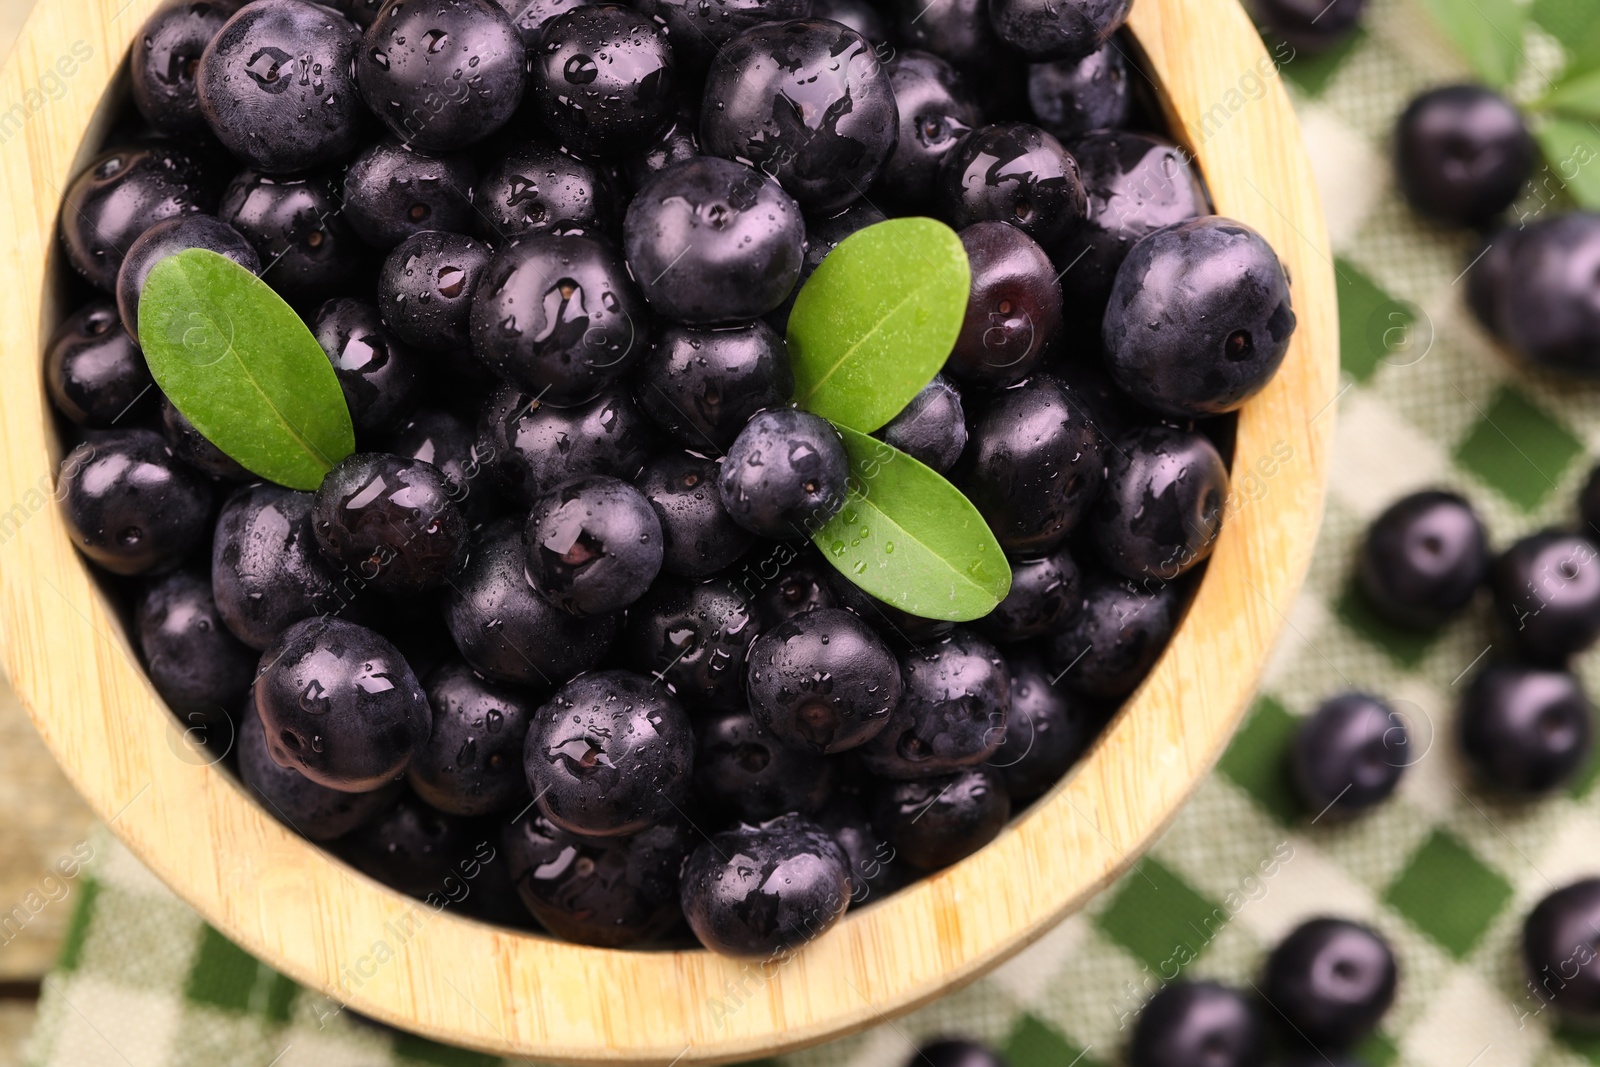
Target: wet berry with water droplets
[
  {"x": 298, "y": 230},
  {"x": 310, "y": 809},
  {"x": 166, "y": 62},
  {"x": 703, "y": 386},
  {"x": 609, "y": 892},
  {"x": 530, "y": 16},
  {"x": 1016, "y": 173},
  {"x": 788, "y": 582},
  {"x": 1188, "y": 1023},
  {"x": 594, "y": 545},
  {"x": 472, "y": 763},
  {"x": 760, "y": 890},
  {"x": 675, "y": 142},
  {"x": 168, "y": 238},
  {"x": 392, "y": 191},
  {"x": 190, "y": 446},
  {"x": 808, "y": 102},
  {"x": 784, "y": 476},
  {"x": 1109, "y": 645},
  {"x": 1161, "y": 510},
  {"x": 603, "y": 78},
  {"x": 1048, "y": 727},
  {"x": 93, "y": 369},
  {"x": 381, "y": 376},
  {"x": 1526, "y": 730},
  {"x": 1423, "y": 559},
  {"x": 266, "y": 569},
  {"x": 699, "y": 29},
  {"x": 1547, "y": 594},
  {"x": 1013, "y": 308},
  {"x": 932, "y": 428},
  {"x": 449, "y": 443},
  {"x": 1463, "y": 154},
  {"x": 1044, "y": 592},
  {"x": 936, "y": 110},
  {"x": 393, "y": 522},
  {"x": 934, "y": 822},
  {"x": 1349, "y": 755},
  {"x": 536, "y": 186},
  {"x": 610, "y": 754},
  {"x": 694, "y": 639},
  {"x": 507, "y": 631},
  {"x": 129, "y": 505},
  {"x": 197, "y": 666},
  {"x": 534, "y": 447},
  {"x": 952, "y": 711},
  {"x": 714, "y": 242},
  {"x": 1057, "y": 29},
  {"x": 874, "y": 870},
  {"x": 822, "y": 681},
  {"x": 743, "y": 773},
  {"x": 122, "y": 193},
  {"x": 277, "y": 85},
  {"x": 699, "y": 537},
  {"x": 442, "y": 75},
  {"x": 426, "y": 287},
  {"x": 1071, "y": 97},
  {"x": 340, "y": 705},
  {"x": 559, "y": 317}
]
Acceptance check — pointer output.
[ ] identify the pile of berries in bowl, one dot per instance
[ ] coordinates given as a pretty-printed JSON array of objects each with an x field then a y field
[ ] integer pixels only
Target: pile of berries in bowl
[{"x": 697, "y": 466}]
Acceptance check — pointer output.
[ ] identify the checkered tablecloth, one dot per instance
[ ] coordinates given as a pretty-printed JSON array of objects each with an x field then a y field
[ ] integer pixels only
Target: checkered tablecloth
[{"x": 1445, "y": 871}]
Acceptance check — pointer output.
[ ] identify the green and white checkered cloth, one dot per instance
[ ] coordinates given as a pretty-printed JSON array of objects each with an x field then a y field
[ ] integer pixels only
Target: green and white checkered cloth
[{"x": 1444, "y": 871}]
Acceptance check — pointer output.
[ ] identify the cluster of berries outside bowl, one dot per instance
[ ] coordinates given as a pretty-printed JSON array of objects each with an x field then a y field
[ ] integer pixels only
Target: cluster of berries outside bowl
[{"x": 68, "y": 653}]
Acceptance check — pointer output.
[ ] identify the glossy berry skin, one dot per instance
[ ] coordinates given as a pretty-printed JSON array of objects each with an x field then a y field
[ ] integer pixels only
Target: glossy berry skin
[
  {"x": 122, "y": 193},
  {"x": 695, "y": 639},
  {"x": 954, "y": 1052},
  {"x": 508, "y": 632},
  {"x": 714, "y": 242},
  {"x": 935, "y": 111},
  {"x": 609, "y": 755},
  {"x": 392, "y": 191},
  {"x": 1070, "y": 29},
  {"x": 1161, "y": 510},
  {"x": 745, "y": 774},
  {"x": 415, "y": 850},
  {"x": 607, "y": 892},
  {"x": 129, "y": 505},
  {"x": 1423, "y": 559},
  {"x": 901, "y": 629},
  {"x": 392, "y": 521},
  {"x": 1349, "y": 755},
  {"x": 675, "y": 142},
  {"x": 593, "y": 545},
  {"x": 1136, "y": 185},
  {"x": 1547, "y": 305},
  {"x": 266, "y": 569},
  {"x": 297, "y": 227},
  {"x": 935, "y": 822},
  {"x": 932, "y": 429},
  {"x": 1048, "y": 728},
  {"x": 1462, "y": 154},
  {"x": 1332, "y": 980},
  {"x": 1189, "y": 1023},
  {"x": 952, "y": 711},
  {"x": 1558, "y": 952},
  {"x": 703, "y": 386},
  {"x": 1015, "y": 173},
  {"x": 1526, "y": 730},
  {"x": 530, "y": 16},
  {"x": 426, "y": 287},
  {"x": 822, "y": 681},
  {"x": 603, "y": 78},
  {"x": 380, "y": 376},
  {"x": 956, "y": 30},
  {"x": 1044, "y": 592},
  {"x": 699, "y": 537},
  {"x": 787, "y": 583},
  {"x": 168, "y": 238},
  {"x": 1071, "y": 97},
  {"x": 340, "y": 705},
  {"x": 1547, "y": 594},
  {"x": 825, "y": 154},
  {"x": 535, "y": 447},
  {"x": 784, "y": 476},
  {"x": 1114, "y": 639},
  {"x": 442, "y": 75},
  {"x": 738, "y": 904},
  {"x": 873, "y": 867},
  {"x": 1310, "y": 25},
  {"x": 200, "y": 669},
  {"x": 1032, "y": 466},
  {"x": 277, "y": 85},
  {"x": 93, "y": 369},
  {"x": 539, "y": 187},
  {"x": 166, "y": 58},
  {"x": 1013, "y": 309},
  {"x": 698, "y": 31},
  {"x": 312, "y": 810},
  {"x": 1219, "y": 301},
  {"x": 472, "y": 763},
  {"x": 860, "y": 15},
  {"x": 559, "y": 317},
  {"x": 192, "y": 448}
]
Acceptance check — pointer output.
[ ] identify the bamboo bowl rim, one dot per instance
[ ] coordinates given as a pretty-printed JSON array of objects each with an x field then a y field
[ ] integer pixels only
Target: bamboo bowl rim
[{"x": 501, "y": 991}]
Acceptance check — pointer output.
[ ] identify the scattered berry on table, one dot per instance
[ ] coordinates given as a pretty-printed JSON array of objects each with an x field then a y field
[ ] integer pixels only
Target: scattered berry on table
[
  {"x": 1547, "y": 594},
  {"x": 1423, "y": 559},
  {"x": 1462, "y": 154},
  {"x": 1331, "y": 980},
  {"x": 1558, "y": 952},
  {"x": 1190, "y": 1023},
  {"x": 1349, "y": 755},
  {"x": 1526, "y": 730}
]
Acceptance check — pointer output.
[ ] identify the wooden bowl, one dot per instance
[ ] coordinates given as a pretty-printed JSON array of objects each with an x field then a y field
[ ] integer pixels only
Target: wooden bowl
[{"x": 467, "y": 983}]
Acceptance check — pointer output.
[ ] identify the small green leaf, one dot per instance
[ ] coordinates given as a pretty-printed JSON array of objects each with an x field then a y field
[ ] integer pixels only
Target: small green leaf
[
  {"x": 911, "y": 539},
  {"x": 241, "y": 366},
  {"x": 1488, "y": 32},
  {"x": 1576, "y": 24},
  {"x": 876, "y": 321},
  {"x": 1572, "y": 151},
  {"x": 1578, "y": 96}
]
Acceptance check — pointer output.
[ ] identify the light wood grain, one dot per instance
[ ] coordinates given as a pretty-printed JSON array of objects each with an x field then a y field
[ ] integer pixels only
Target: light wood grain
[{"x": 470, "y": 984}]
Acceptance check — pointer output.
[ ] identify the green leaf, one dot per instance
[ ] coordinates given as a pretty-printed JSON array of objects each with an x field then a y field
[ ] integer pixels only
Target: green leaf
[
  {"x": 1488, "y": 32},
  {"x": 241, "y": 366},
  {"x": 1576, "y": 24},
  {"x": 1578, "y": 96},
  {"x": 875, "y": 322},
  {"x": 911, "y": 539},
  {"x": 1572, "y": 151}
]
